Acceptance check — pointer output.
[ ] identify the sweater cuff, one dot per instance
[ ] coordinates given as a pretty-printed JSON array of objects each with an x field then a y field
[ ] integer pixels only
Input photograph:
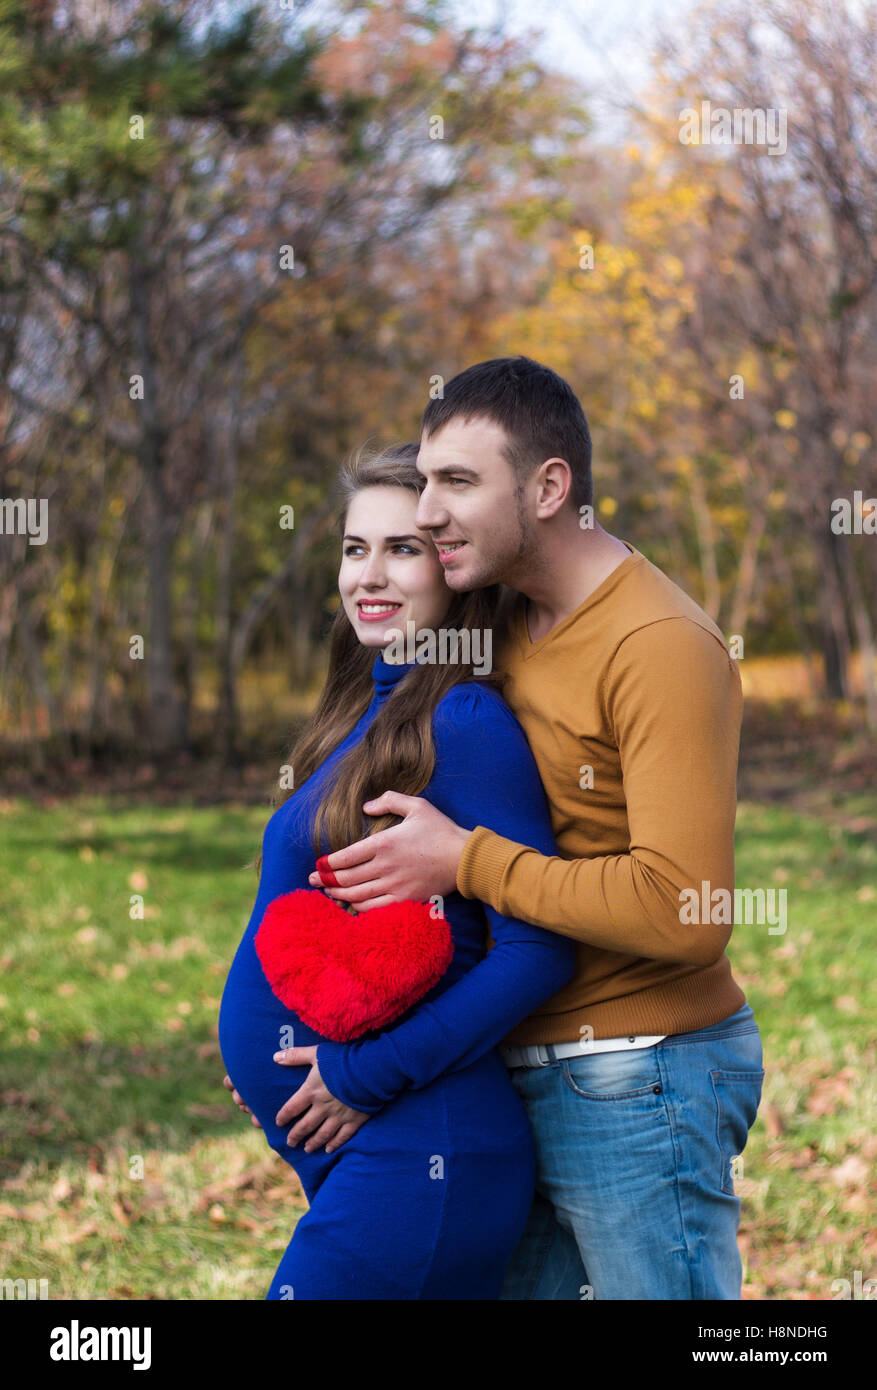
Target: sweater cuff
[
  {"x": 483, "y": 864},
  {"x": 333, "y": 1060}
]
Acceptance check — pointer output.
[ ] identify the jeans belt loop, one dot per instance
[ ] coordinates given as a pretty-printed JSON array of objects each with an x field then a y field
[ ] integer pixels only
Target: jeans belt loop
[{"x": 552, "y": 1055}]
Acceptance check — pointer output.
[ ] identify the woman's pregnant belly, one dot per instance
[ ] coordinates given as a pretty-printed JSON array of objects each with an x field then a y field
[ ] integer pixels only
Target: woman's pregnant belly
[
  {"x": 253, "y": 1025},
  {"x": 475, "y": 1110}
]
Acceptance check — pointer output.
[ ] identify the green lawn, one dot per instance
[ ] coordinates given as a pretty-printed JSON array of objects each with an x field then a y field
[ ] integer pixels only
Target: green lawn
[{"x": 125, "y": 1170}]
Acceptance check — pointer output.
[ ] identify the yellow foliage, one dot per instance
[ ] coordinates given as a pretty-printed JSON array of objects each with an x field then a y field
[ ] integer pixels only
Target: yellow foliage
[{"x": 749, "y": 367}]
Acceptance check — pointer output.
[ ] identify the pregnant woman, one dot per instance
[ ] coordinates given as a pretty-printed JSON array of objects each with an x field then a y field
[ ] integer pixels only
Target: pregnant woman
[{"x": 428, "y": 1197}]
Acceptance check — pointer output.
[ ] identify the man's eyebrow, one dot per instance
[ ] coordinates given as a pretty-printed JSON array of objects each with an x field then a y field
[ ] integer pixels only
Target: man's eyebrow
[
  {"x": 449, "y": 470},
  {"x": 390, "y": 540}
]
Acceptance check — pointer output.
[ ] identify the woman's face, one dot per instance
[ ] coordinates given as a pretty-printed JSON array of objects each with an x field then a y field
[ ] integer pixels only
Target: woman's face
[{"x": 390, "y": 571}]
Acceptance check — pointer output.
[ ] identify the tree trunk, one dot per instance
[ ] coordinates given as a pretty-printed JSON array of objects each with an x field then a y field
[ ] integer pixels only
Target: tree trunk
[
  {"x": 42, "y": 694},
  {"x": 262, "y": 600},
  {"x": 191, "y": 604},
  {"x": 834, "y": 633},
  {"x": 227, "y": 711},
  {"x": 167, "y": 718},
  {"x": 864, "y": 634},
  {"x": 746, "y": 573},
  {"x": 706, "y": 544},
  {"x": 785, "y": 577}
]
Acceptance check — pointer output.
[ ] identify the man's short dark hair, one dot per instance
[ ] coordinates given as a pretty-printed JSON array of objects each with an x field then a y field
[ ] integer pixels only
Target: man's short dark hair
[{"x": 538, "y": 410}]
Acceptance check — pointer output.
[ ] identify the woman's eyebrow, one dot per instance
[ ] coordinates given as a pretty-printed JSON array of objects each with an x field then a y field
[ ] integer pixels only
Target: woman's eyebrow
[{"x": 388, "y": 540}]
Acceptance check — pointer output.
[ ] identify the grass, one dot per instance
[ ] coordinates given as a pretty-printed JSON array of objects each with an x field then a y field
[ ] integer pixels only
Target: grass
[
  {"x": 125, "y": 1170},
  {"x": 807, "y": 1218}
]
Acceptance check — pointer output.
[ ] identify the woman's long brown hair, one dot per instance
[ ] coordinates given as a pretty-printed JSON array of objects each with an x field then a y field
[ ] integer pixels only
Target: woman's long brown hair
[{"x": 397, "y": 751}]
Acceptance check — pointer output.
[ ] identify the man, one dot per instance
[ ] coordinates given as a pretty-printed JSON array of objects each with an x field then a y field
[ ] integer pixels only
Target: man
[{"x": 642, "y": 1077}]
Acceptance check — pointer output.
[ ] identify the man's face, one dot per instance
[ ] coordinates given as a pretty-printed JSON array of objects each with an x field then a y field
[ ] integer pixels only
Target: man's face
[{"x": 473, "y": 506}]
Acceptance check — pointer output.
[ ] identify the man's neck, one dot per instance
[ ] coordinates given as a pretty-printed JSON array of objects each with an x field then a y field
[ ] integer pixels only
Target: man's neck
[{"x": 571, "y": 567}]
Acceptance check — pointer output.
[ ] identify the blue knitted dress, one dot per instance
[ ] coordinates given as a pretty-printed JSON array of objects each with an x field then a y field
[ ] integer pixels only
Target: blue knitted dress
[{"x": 430, "y": 1197}]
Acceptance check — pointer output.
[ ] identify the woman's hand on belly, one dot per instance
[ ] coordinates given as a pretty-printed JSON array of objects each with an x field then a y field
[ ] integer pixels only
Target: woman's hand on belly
[
  {"x": 238, "y": 1099},
  {"x": 324, "y": 1119}
]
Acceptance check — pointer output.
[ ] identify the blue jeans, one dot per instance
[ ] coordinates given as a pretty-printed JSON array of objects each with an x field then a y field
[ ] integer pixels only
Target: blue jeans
[{"x": 634, "y": 1151}]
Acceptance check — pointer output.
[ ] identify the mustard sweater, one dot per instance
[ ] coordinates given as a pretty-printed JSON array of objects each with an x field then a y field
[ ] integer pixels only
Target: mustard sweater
[{"x": 632, "y": 708}]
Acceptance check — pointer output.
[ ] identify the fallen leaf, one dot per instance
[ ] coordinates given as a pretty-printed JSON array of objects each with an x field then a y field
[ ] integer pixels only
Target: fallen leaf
[
  {"x": 847, "y": 1004},
  {"x": 828, "y": 1095},
  {"x": 851, "y": 1173},
  {"x": 119, "y": 1213}
]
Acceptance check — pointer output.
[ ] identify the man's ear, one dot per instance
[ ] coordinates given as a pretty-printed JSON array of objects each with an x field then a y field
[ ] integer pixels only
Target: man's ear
[{"x": 553, "y": 487}]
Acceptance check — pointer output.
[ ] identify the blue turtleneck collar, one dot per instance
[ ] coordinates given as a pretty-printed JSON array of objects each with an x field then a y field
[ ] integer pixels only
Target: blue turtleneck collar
[{"x": 387, "y": 674}]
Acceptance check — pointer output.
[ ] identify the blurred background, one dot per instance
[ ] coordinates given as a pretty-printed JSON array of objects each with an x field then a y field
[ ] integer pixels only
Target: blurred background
[{"x": 238, "y": 240}]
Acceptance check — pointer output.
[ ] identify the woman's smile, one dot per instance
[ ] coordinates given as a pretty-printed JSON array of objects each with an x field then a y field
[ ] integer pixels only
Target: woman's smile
[{"x": 372, "y": 610}]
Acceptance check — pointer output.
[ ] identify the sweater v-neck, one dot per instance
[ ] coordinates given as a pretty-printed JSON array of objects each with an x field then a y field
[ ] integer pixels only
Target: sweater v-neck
[{"x": 522, "y": 632}]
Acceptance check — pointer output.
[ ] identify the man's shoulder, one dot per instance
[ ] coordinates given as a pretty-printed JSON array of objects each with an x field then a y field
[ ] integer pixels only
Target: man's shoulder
[{"x": 647, "y": 603}]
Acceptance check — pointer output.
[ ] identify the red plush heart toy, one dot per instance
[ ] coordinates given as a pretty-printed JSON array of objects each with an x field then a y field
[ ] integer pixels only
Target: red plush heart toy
[{"x": 345, "y": 974}]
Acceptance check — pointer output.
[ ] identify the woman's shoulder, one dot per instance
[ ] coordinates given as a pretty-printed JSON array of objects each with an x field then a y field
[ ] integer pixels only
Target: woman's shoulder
[
  {"x": 484, "y": 766},
  {"x": 475, "y": 703}
]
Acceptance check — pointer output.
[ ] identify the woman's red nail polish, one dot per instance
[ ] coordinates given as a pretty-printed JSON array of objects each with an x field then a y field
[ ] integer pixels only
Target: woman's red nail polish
[{"x": 327, "y": 877}]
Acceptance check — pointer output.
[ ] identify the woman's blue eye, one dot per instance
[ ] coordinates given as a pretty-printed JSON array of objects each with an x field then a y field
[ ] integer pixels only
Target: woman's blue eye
[{"x": 409, "y": 549}]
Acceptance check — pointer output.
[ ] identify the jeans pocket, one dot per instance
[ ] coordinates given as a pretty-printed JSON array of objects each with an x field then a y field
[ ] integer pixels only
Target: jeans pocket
[
  {"x": 738, "y": 1094},
  {"x": 614, "y": 1075}
]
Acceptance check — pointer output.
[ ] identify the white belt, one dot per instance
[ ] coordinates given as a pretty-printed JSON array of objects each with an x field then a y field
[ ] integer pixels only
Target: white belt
[{"x": 543, "y": 1054}]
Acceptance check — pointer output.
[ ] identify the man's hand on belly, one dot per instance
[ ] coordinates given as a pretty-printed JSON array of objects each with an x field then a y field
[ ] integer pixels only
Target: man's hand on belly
[
  {"x": 323, "y": 1118},
  {"x": 413, "y": 860}
]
